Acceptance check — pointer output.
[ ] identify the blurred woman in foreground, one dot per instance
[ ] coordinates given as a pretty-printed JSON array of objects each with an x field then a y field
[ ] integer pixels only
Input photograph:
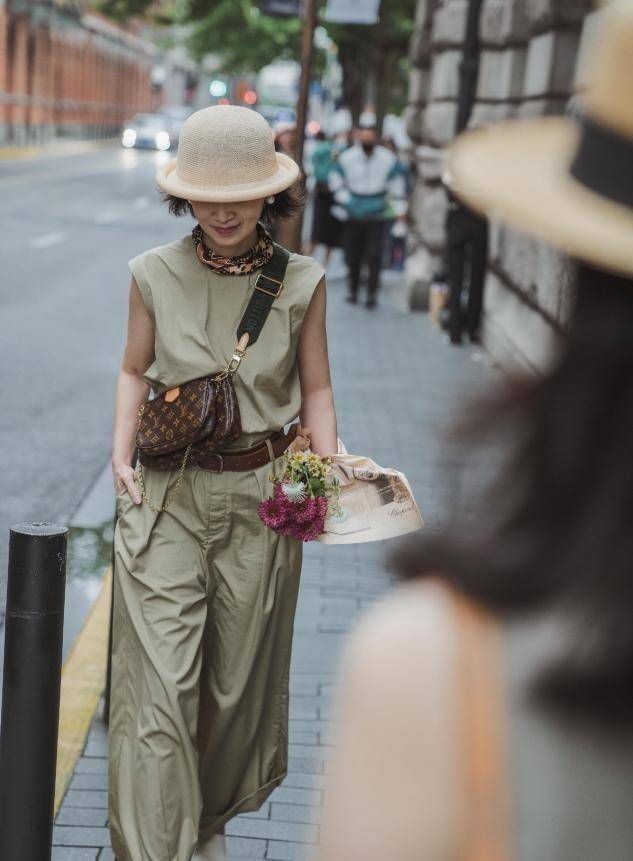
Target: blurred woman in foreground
[{"x": 488, "y": 702}]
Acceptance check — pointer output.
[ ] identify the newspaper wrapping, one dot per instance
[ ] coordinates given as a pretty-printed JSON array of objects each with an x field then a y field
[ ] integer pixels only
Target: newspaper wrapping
[{"x": 375, "y": 502}]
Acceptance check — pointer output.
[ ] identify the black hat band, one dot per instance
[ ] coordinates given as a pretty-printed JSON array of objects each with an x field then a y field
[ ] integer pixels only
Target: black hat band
[{"x": 604, "y": 162}]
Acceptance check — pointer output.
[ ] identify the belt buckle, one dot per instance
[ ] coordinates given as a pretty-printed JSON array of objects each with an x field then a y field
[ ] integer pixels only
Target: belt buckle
[{"x": 203, "y": 461}]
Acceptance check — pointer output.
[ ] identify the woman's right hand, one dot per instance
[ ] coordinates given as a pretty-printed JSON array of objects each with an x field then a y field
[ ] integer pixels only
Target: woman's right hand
[{"x": 124, "y": 480}]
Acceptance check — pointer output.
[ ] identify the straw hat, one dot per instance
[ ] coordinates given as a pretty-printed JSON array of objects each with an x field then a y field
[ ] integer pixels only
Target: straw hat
[
  {"x": 226, "y": 153},
  {"x": 569, "y": 182}
]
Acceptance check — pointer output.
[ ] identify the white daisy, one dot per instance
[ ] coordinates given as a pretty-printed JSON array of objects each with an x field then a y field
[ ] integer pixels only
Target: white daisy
[{"x": 294, "y": 491}]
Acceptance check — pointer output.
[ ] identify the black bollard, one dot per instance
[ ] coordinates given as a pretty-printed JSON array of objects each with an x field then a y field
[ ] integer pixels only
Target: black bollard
[{"x": 30, "y": 692}]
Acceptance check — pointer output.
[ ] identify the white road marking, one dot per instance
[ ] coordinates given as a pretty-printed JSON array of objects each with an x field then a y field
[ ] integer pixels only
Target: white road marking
[{"x": 47, "y": 239}]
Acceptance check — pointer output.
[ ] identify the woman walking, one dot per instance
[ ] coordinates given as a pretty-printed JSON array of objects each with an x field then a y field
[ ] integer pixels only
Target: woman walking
[
  {"x": 326, "y": 229},
  {"x": 204, "y": 593}
]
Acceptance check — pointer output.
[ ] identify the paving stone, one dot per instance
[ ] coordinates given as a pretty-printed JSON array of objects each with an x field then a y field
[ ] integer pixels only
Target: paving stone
[
  {"x": 96, "y": 747},
  {"x": 290, "y": 852},
  {"x": 303, "y": 689},
  {"x": 106, "y": 854},
  {"x": 311, "y": 751},
  {"x": 244, "y": 847},
  {"x": 305, "y": 781},
  {"x": 267, "y": 829},
  {"x": 305, "y": 765},
  {"x": 292, "y": 795},
  {"x": 91, "y": 780},
  {"x": 303, "y": 738},
  {"x": 295, "y": 813},
  {"x": 90, "y": 765},
  {"x": 68, "y": 853},
  {"x": 71, "y": 835},
  {"x": 304, "y": 710},
  {"x": 86, "y": 798},
  {"x": 95, "y": 816}
]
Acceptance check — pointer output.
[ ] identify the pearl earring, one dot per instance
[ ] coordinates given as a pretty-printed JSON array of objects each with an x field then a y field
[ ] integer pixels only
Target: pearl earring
[{"x": 270, "y": 198}]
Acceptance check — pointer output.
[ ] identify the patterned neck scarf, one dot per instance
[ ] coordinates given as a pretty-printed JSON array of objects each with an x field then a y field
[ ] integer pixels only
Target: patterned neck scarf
[{"x": 239, "y": 264}]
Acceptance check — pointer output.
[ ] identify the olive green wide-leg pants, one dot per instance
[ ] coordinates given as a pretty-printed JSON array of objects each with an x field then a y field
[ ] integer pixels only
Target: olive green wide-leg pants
[{"x": 204, "y": 605}]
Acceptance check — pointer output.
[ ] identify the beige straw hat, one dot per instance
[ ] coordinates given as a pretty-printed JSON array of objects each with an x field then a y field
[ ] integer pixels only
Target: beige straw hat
[
  {"x": 569, "y": 182},
  {"x": 225, "y": 153}
]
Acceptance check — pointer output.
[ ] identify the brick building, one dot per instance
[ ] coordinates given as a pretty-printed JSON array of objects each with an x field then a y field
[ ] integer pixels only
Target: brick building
[
  {"x": 530, "y": 59},
  {"x": 66, "y": 73}
]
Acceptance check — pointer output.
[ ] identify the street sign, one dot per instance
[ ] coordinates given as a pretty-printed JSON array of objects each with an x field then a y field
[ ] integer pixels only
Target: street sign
[
  {"x": 281, "y": 7},
  {"x": 352, "y": 11}
]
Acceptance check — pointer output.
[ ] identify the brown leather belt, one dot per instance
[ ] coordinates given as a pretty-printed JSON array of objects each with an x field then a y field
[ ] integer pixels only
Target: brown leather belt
[{"x": 247, "y": 458}]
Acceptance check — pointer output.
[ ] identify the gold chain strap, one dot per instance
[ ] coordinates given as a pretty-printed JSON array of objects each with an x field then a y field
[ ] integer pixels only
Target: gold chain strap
[{"x": 174, "y": 490}]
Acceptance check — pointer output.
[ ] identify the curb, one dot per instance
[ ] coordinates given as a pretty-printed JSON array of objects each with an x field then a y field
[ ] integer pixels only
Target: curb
[
  {"x": 83, "y": 682},
  {"x": 53, "y": 150}
]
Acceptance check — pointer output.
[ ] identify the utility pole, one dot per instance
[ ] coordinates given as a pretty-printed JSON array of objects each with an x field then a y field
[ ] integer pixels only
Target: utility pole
[{"x": 307, "y": 40}]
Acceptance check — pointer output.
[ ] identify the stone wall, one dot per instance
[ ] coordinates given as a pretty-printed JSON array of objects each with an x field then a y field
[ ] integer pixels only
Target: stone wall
[{"x": 529, "y": 65}]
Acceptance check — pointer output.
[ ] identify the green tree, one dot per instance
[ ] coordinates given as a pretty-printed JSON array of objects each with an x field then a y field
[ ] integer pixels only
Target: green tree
[
  {"x": 240, "y": 35},
  {"x": 123, "y": 10},
  {"x": 373, "y": 57}
]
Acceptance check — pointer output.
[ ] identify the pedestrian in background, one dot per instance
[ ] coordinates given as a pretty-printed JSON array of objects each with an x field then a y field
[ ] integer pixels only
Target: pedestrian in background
[
  {"x": 285, "y": 133},
  {"x": 284, "y": 231},
  {"x": 326, "y": 229},
  {"x": 204, "y": 592},
  {"x": 488, "y": 705},
  {"x": 395, "y": 238},
  {"x": 467, "y": 246},
  {"x": 363, "y": 179}
]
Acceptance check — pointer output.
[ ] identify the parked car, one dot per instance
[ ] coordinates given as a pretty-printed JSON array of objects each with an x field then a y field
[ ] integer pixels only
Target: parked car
[
  {"x": 276, "y": 113},
  {"x": 175, "y": 116},
  {"x": 148, "y": 131}
]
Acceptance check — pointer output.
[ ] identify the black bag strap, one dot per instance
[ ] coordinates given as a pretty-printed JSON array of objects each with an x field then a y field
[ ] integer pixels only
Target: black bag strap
[{"x": 268, "y": 286}]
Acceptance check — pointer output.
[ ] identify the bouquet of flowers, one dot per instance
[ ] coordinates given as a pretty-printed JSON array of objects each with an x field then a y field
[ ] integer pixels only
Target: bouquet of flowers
[{"x": 302, "y": 497}]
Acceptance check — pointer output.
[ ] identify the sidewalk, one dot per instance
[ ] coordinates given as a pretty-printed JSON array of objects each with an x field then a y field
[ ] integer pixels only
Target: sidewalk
[{"x": 396, "y": 385}]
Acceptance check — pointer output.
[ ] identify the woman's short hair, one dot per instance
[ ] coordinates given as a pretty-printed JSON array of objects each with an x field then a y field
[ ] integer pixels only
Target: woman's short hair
[{"x": 287, "y": 204}]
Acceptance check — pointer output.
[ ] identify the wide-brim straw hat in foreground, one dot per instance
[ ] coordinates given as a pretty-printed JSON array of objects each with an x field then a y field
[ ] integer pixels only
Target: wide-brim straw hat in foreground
[
  {"x": 226, "y": 153},
  {"x": 569, "y": 182}
]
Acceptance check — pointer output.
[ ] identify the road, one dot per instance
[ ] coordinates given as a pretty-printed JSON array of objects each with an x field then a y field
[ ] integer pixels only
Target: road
[{"x": 69, "y": 226}]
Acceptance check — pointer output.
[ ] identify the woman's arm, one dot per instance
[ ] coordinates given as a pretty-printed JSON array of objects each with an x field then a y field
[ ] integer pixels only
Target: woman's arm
[
  {"x": 317, "y": 400},
  {"x": 394, "y": 789},
  {"x": 132, "y": 391}
]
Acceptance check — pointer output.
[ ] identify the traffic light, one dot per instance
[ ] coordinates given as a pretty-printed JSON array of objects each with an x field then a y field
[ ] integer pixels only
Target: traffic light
[{"x": 218, "y": 88}]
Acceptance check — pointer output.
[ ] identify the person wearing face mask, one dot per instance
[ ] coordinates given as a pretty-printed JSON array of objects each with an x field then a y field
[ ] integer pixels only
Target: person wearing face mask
[{"x": 363, "y": 179}]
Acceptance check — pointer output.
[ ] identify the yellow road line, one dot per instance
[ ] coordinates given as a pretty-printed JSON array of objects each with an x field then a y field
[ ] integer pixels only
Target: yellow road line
[
  {"x": 51, "y": 150},
  {"x": 83, "y": 681}
]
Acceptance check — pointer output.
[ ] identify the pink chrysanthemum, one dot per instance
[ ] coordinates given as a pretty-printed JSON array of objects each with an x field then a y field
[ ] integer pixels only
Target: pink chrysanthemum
[
  {"x": 301, "y": 520},
  {"x": 273, "y": 512}
]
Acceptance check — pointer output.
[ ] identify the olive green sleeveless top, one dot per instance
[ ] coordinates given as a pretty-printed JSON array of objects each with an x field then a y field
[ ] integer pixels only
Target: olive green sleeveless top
[{"x": 196, "y": 313}]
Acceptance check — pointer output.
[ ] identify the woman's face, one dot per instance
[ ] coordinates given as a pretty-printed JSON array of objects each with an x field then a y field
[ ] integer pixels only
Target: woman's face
[{"x": 229, "y": 225}]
